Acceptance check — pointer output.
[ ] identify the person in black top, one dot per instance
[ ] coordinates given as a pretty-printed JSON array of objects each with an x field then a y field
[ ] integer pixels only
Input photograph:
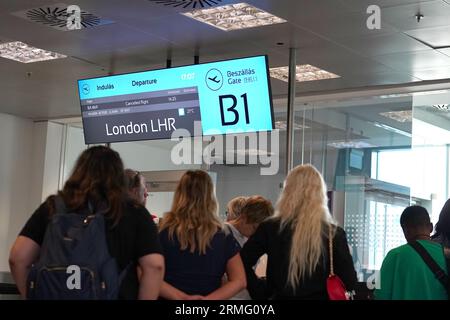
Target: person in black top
[
  {"x": 296, "y": 242},
  {"x": 442, "y": 230},
  {"x": 98, "y": 178}
]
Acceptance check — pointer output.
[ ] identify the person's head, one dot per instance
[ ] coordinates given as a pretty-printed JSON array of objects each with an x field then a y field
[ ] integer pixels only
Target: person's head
[
  {"x": 254, "y": 211},
  {"x": 302, "y": 206},
  {"x": 136, "y": 186},
  {"x": 193, "y": 217},
  {"x": 443, "y": 224},
  {"x": 234, "y": 207},
  {"x": 416, "y": 224},
  {"x": 98, "y": 176}
]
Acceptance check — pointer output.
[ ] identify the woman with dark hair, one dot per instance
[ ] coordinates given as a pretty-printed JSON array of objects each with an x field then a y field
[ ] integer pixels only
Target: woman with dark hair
[
  {"x": 196, "y": 249},
  {"x": 442, "y": 229},
  {"x": 97, "y": 184}
]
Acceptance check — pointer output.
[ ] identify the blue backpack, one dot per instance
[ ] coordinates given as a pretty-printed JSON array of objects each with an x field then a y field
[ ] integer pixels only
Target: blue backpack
[{"x": 74, "y": 262}]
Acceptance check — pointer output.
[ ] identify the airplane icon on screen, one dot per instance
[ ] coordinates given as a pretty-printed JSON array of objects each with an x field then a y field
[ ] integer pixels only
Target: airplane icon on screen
[{"x": 214, "y": 79}]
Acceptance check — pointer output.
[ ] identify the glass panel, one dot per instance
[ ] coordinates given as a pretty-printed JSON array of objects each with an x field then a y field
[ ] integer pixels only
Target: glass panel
[
  {"x": 430, "y": 157},
  {"x": 360, "y": 146}
]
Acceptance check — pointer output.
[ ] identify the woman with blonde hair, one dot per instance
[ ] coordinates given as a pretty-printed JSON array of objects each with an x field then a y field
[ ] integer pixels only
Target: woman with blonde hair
[
  {"x": 196, "y": 249},
  {"x": 296, "y": 242}
]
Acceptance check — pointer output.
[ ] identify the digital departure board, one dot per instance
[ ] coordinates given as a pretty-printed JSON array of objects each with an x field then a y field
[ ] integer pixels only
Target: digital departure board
[{"x": 231, "y": 96}]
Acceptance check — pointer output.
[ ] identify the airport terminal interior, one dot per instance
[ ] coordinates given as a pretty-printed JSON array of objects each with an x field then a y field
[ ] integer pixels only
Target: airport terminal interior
[{"x": 369, "y": 107}]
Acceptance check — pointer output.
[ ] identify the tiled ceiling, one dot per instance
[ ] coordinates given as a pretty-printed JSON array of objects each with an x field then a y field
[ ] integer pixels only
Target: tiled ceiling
[{"x": 331, "y": 34}]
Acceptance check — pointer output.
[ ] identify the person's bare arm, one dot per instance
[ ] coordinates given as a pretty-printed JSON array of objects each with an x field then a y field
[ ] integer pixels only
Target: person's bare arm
[
  {"x": 152, "y": 275},
  {"x": 236, "y": 280},
  {"x": 23, "y": 254}
]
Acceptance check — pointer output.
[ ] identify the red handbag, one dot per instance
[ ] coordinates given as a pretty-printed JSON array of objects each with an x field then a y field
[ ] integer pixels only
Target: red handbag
[{"x": 335, "y": 286}]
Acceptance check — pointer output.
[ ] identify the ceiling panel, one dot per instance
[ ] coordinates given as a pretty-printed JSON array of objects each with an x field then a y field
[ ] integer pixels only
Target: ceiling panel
[
  {"x": 436, "y": 13},
  {"x": 349, "y": 24},
  {"x": 445, "y": 51},
  {"x": 298, "y": 11},
  {"x": 338, "y": 59},
  {"x": 433, "y": 73},
  {"x": 436, "y": 37},
  {"x": 416, "y": 60},
  {"x": 383, "y": 44},
  {"x": 362, "y": 5},
  {"x": 330, "y": 34}
]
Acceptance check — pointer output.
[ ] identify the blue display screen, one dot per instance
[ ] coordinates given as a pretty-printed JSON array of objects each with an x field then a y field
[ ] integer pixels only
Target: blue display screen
[{"x": 231, "y": 96}]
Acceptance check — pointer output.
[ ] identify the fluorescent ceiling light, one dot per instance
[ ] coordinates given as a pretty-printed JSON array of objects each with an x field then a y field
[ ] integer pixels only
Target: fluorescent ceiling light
[
  {"x": 395, "y": 95},
  {"x": 427, "y": 93},
  {"x": 234, "y": 17},
  {"x": 422, "y": 93},
  {"x": 442, "y": 107},
  {"x": 282, "y": 125},
  {"x": 400, "y": 116},
  {"x": 357, "y": 144},
  {"x": 24, "y": 53},
  {"x": 392, "y": 129},
  {"x": 305, "y": 72}
]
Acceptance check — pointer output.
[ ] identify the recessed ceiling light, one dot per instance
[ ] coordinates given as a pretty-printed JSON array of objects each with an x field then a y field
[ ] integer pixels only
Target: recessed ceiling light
[
  {"x": 357, "y": 144},
  {"x": 305, "y": 72},
  {"x": 400, "y": 116},
  {"x": 24, "y": 53},
  {"x": 234, "y": 17}
]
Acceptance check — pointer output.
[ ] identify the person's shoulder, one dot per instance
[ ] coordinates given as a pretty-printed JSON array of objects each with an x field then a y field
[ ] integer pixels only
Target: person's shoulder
[
  {"x": 398, "y": 252},
  {"x": 270, "y": 223},
  {"x": 135, "y": 214},
  {"x": 47, "y": 206},
  {"x": 135, "y": 209}
]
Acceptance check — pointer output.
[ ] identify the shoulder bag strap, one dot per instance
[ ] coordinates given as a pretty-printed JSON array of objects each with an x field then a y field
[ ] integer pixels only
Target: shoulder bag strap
[
  {"x": 434, "y": 267},
  {"x": 330, "y": 248}
]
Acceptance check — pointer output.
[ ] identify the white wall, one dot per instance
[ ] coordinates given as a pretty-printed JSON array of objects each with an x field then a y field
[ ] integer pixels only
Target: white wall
[
  {"x": 29, "y": 172},
  {"x": 151, "y": 156},
  {"x": 16, "y": 145},
  {"x": 73, "y": 147}
]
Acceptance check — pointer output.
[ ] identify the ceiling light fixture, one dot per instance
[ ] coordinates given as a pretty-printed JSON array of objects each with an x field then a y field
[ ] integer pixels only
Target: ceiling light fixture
[
  {"x": 442, "y": 107},
  {"x": 392, "y": 129},
  {"x": 421, "y": 93},
  {"x": 24, "y": 53},
  {"x": 356, "y": 144},
  {"x": 305, "y": 72},
  {"x": 400, "y": 116},
  {"x": 234, "y": 17},
  {"x": 282, "y": 125}
]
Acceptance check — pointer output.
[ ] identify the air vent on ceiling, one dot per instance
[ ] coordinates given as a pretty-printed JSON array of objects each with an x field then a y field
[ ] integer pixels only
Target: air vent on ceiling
[
  {"x": 194, "y": 4},
  {"x": 56, "y": 15}
]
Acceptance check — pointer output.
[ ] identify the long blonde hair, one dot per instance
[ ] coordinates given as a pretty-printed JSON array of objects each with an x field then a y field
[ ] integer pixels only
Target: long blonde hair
[
  {"x": 302, "y": 206},
  {"x": 193, "y": 217}
]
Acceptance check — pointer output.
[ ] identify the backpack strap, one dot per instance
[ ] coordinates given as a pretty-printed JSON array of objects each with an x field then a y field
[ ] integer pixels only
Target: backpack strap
[{"x": 434, "y": 267}]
